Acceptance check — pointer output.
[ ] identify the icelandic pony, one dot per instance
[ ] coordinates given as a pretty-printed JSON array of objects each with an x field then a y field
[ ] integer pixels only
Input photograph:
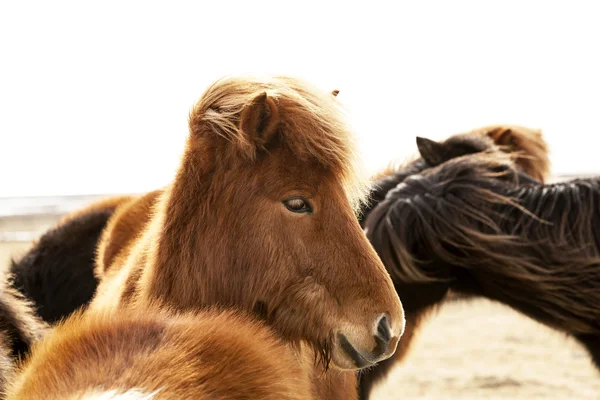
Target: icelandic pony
[
  {"x": 261, "y": 217},
  {"x": 56, "y": 274},
  {"x": 534, "y": 247},
  {"x": 211, "y": 354},
  {"x": 20, "y": 328},
  {"x": 65, "y": 256},
  {"x": 529, "y": 153}
]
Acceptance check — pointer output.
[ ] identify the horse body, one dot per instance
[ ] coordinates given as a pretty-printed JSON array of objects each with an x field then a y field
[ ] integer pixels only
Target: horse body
[
  {"x": 533, "y": 247},
  {"x": 212, "y": 354},
  {"x": 420, "y": 296}
]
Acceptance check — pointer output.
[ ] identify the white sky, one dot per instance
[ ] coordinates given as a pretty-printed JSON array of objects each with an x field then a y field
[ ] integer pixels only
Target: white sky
[{"x": 94, "y": 98}]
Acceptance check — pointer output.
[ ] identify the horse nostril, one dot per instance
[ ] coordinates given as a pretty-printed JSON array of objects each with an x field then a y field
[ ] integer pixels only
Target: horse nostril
[{"x": 384, "y": 331}]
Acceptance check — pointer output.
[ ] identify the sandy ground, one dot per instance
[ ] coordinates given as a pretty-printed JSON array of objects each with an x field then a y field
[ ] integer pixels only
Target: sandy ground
[
  {"x": 478, "y": 350},
  {"x": 482, "y": 350}
]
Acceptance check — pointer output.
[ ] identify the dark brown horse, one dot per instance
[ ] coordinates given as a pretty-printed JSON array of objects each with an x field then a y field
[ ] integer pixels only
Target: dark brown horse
[
  {"x": 56, "y": 274},
  {"x": 530, "y": 156},
  {"x": 479, "y": 231}
]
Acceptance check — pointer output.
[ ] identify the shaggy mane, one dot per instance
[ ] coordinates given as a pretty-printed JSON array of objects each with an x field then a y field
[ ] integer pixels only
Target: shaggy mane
[
  {"x": 312, "y": 125},
  {"x": 540, "y": 241}
]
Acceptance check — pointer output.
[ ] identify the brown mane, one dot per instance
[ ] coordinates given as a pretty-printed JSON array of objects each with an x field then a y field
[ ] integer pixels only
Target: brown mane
[{"x": 316, "y": 119}]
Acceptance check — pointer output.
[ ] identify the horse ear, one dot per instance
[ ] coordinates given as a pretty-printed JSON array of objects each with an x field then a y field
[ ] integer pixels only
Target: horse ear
[
  {"x": 502, "y": 136},
  {"x": 430, "y": 150},
  {"x": 260, "y": 119},
  {"x": 335, "y": 92}
]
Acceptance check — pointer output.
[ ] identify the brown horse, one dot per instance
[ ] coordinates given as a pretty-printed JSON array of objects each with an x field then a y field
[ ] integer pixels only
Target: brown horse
[
  {"x": 261, "y": 217},
  {"x": 212, "y": 354}
]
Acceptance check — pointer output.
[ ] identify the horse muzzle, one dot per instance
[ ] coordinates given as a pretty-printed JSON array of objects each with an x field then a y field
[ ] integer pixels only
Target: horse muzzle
[{"x": 361, "y": 348}]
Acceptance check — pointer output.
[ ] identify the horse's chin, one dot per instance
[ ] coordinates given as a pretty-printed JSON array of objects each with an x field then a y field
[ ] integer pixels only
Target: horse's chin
[{"x": 341, "y": 359}]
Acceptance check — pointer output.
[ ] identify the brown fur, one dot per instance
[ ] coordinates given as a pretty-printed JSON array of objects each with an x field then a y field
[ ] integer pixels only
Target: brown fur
[
  {"x": 221, "y": 235},
  {"x": 20, "y": 328},
  {"x": 203, "y": 355},
  {"x": 7, "y": 366},
  {"x": 130, "y": 218},
  {"x": 19, "y": 325}
]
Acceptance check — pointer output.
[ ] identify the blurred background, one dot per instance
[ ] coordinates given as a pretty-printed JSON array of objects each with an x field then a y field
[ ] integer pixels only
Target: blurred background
[{"x": 94, "y": 99}]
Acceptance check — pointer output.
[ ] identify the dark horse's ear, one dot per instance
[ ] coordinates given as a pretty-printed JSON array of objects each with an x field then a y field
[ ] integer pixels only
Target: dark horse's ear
[
  {"x": 430, "y": 150},
  {"x": 335, "y": 92},
  {"x": 260, "y": 119}
]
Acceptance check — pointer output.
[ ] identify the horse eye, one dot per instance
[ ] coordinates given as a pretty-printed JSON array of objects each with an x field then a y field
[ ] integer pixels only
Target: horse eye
[{"x": 298, "y": 205}]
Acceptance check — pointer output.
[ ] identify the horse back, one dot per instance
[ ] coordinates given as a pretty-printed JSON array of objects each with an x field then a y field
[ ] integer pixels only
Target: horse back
[{"x": 185, "y": 356}]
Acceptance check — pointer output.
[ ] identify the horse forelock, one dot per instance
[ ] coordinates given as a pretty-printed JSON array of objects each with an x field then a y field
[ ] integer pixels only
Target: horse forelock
[{"x": 313, "y": 125}]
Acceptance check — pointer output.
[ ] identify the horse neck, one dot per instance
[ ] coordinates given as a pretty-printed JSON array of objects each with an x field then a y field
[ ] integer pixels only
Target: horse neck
[
  {"x": 184, "y": 248},
  {"x": 335, "y": 385}
]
